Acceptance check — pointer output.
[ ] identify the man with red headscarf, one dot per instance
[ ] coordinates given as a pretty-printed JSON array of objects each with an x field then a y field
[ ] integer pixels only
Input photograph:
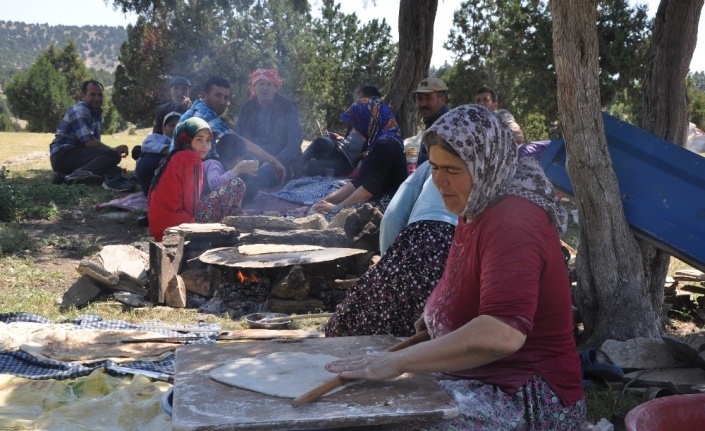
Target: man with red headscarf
[{"x": 271, "y": 121}]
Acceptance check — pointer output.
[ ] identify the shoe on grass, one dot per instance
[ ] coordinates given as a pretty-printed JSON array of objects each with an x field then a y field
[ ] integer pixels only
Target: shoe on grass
[
  {"x": 118, "y": 183},
  {"x": 58, "y": 178},
  {"x": 80, "y": 176}
]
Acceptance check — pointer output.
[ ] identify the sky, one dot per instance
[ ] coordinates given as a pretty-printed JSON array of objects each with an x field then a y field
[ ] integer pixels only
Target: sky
[{"x": 96, "y": 12}]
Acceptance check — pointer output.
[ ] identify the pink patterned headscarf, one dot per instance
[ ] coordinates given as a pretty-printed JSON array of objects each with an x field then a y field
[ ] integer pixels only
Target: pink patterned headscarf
[
  {"x": 487, "y": 146},
  {"x": 270, "y": 75}
]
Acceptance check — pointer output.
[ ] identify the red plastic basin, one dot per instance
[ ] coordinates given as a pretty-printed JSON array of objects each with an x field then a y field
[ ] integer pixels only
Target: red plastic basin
[{"x": 677, "y": 412}]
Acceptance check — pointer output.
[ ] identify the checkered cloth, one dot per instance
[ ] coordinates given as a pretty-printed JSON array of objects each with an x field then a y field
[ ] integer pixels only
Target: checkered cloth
[{"x": 22, "y": 364}]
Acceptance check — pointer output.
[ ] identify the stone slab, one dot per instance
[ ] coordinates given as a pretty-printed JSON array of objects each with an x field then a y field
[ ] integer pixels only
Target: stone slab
[
  {"x": 202, "y": 404},
  {"x": 680, "y": 379}
]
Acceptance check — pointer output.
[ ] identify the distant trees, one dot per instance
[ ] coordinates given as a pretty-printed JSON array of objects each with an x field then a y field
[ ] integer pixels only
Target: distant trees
[
  {"x": 321, "y": 59},
  {"x": 52, "y": 84},
  {"x": 6, "y": 124},
  {"x": 507, "y": 45},
  {"x": 39, "y": 95},
  {"x": 138, "y": 75},
  {"x": 696, "y": 93},
  {"x": 21, "y": 42}
]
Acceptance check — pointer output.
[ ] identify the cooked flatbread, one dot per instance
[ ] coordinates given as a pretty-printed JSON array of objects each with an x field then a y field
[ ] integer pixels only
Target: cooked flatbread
[
  {"x": 280, "y": 374},
  {"x": 94, "y": 345}
]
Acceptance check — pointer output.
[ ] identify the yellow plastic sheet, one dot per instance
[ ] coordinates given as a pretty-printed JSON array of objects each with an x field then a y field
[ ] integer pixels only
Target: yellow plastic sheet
[{"x": 95, "y": 402}]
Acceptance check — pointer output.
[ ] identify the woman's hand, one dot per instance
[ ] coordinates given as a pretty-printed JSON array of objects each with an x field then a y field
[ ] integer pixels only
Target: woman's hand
[
  {"x": 324, "y": 207},
  {"x": 420, "y": 325},
  {"x": 335, "y": 136},
  {"x": 375, "y": 366},
  {"x": 279, "y": 171},
  {"x": 249, "y": 167}
]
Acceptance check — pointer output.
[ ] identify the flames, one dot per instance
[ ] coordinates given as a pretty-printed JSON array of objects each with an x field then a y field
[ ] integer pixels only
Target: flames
[{"x": 242, "y": 278}]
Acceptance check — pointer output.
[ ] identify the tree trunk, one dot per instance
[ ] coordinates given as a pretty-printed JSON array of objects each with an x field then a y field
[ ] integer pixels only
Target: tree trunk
[
  {"x": 612, "y": 293},
  {"x": 416, "y": 18},
  {"x": 666, "y": 104}
]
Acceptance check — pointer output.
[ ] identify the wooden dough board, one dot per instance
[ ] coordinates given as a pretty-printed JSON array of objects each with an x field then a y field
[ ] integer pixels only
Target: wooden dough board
[{"x": 200, "y": 403}]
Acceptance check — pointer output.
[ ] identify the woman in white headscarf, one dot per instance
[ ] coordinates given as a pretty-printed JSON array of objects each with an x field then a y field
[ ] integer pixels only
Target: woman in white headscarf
[{"x": 500, "y": 318}]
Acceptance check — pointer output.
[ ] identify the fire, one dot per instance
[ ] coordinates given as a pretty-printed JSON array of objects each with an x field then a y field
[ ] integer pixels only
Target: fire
[{"x": 243, "y": 278}]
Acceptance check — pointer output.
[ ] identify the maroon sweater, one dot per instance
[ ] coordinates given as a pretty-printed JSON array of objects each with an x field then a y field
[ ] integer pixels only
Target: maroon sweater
[{"x": 507, "y": 263}]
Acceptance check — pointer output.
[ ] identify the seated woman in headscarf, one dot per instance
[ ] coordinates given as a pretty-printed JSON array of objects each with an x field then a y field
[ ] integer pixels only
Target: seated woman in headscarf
[
  {"x": 415, "y": 235},
  {"x": 384, "y": 166},
  {"x": 500, "y": 318},
  {"x": 271, "y": 121},
  {"x": 335, "y": 153}
]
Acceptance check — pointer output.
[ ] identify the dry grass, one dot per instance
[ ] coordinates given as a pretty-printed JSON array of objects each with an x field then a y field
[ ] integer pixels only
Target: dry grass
[{"x": 17, "y": 145}]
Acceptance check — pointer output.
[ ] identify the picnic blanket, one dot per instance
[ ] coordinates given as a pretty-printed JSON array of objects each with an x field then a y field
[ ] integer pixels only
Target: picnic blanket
[
  {"x": 18, "y": 362},
  {"x": 303, "y": 191},
  {"x": 132, "y": 202},
  {"x": 308, "y": 190}
]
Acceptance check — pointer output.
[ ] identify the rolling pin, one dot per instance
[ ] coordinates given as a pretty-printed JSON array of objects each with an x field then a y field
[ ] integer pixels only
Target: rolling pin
[
  {"x": 297, "y": 317},
  {"x": 337, "y": 382}
]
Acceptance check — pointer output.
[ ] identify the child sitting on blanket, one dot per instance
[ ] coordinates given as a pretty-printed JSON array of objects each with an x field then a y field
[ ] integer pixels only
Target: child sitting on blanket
[
  {"x": 223, "y": 188},
  {"x": 153, "y": 150}
]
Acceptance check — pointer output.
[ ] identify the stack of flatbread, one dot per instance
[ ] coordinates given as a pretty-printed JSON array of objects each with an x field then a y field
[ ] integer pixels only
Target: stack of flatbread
[{"x": 85, "y": 345}]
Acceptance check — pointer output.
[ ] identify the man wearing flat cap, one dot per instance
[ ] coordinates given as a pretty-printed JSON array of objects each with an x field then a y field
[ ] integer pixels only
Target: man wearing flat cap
[
  {"x": 179, "y": 87},
  {"x": 432, "y": 103}
]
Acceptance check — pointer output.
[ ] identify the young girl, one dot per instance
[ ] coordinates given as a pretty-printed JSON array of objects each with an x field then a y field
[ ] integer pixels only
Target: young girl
[
  {"x": 223, "y": 188},
  {"x": 177, "y": 183},
  {"x": 153, "y": 150}
]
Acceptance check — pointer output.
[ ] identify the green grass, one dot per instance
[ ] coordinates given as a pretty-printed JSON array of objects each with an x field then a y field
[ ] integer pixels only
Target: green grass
[
  {"x": 73, "y": 243},
  {"x": 25, "y": 281},
  {"x": 14, "y": 240},
  {"x": 605, "y": 402}
]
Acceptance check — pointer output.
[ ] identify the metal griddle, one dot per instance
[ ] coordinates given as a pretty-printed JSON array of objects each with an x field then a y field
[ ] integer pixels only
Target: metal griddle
[{"x": 201, "y": 403}]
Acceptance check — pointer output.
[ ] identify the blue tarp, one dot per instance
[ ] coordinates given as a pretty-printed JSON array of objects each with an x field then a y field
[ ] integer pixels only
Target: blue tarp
[{"x": 662, "y": 187}]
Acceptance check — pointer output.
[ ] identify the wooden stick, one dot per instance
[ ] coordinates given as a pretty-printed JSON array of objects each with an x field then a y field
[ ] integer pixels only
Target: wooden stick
[
  {"x": 337, "y": 382},
  {"x": 297, "y": 317},
  {"x": 414, "y": 339},
  {"x": 318, "y": 391}
]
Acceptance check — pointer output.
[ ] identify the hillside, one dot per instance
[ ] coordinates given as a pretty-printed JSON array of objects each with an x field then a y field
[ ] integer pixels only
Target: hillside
[{"x": 20, "y": 43}]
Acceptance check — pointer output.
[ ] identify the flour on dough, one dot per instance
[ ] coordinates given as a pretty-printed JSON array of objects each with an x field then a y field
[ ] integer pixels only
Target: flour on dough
[{"x": 280, "y": 374}]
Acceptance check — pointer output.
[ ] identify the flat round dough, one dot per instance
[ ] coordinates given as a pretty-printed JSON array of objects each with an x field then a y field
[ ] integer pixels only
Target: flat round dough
[{"x": 280, "y": 374}]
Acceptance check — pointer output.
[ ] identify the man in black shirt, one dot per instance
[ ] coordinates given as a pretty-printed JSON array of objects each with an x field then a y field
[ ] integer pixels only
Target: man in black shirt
[{"x": 180, "y": 101}]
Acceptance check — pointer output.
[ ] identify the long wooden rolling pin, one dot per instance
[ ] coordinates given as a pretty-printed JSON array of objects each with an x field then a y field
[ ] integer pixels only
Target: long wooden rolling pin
[
  {"x": 297, "y": 317},
  {"x": 337, "y": 382}
]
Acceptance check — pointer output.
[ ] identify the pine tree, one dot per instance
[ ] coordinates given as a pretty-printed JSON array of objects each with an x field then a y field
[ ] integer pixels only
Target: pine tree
[{"x": 39, "y": 96}]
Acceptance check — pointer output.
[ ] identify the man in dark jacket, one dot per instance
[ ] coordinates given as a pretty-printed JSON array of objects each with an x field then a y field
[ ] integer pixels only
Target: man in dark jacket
[
  {"x": 179, "y": 87},
  {"x": 272, "y": 122}
]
